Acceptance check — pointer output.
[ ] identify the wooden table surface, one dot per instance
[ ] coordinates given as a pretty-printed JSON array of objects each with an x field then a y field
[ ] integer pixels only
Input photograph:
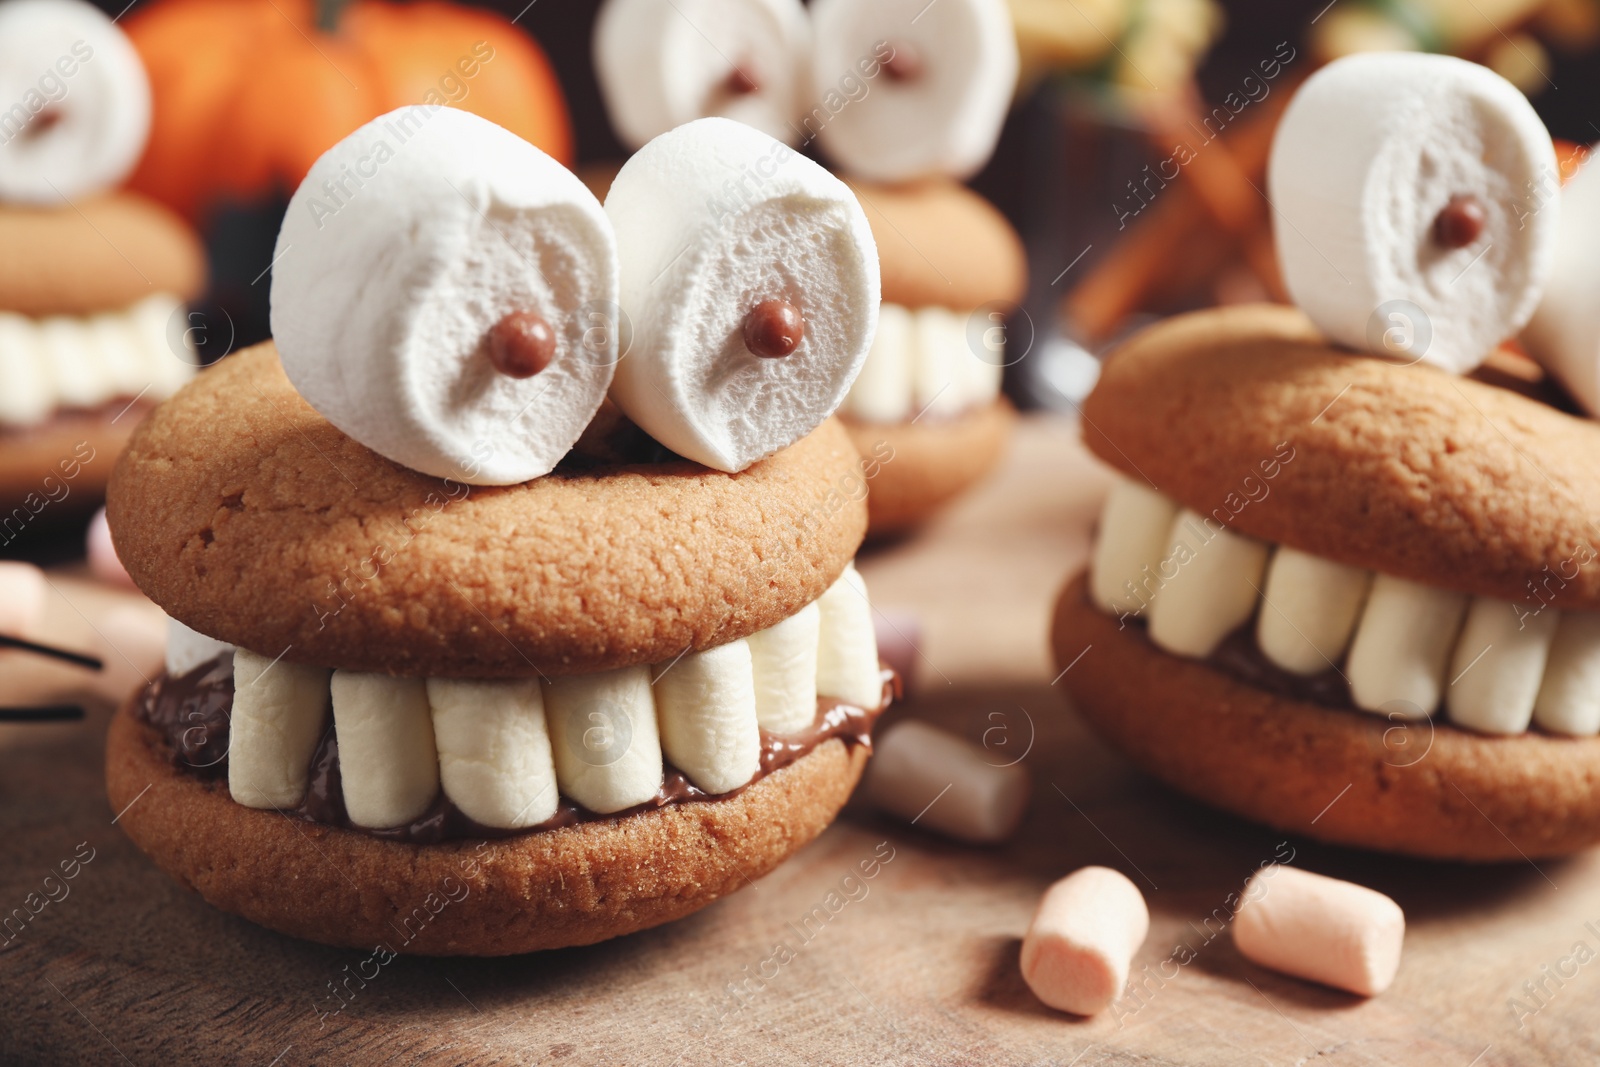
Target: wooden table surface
[{"x": 919, "y": 966}]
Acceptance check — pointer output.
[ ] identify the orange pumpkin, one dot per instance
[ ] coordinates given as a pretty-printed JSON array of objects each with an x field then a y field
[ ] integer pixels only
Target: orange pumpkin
[{"x": 248, "y": 93}]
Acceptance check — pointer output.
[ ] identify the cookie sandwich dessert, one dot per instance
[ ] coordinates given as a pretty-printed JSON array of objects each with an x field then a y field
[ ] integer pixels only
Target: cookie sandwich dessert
[
  {"x": 906, "y": 99},
  {"x": 512, "y": 583},
  {"x": 1355, "y": 594},
  {"x": 93, "y": 281}
]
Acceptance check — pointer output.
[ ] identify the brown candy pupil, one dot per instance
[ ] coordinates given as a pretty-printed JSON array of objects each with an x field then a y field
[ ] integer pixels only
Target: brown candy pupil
[
  {"x": 741, "y": 82},
  {"x": 903, "y": 64},
  {"x": 521, "y": 345},
  {"x": 1459, "y": 222},
  {"x": 773, "y": 329}
]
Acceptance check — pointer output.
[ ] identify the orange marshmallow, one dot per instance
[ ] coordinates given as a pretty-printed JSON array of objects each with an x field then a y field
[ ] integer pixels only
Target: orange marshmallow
[
  {"x": 1077, "y": 951},
  {"x": 1321, "y": 929}
]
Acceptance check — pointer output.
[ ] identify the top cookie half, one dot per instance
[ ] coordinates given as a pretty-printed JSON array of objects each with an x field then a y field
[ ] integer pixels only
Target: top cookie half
[
  {"x": 1406, "y": 470},
  {"x": 250, "y": 518}
]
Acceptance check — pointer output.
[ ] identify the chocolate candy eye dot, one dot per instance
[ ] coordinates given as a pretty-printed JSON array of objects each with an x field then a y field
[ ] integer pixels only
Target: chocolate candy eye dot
[
  {"x": 741, "y": 82},
  {"x": 521, "y": 344},
  {"x": 1460, "y": 221},
  {"x": 904, "y": 63},
  {"x": 774, "y": 329}
]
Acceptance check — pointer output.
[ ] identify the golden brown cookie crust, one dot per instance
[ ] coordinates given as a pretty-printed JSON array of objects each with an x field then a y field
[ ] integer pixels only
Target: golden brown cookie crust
[
  {"x": 941, "y": 244},
  {"x": 917, "y": 468},
  {"x": 246, "y": 515},
  {"x": 1424, "y": 789},
  {"x": 1405, "y": 470},
  {"x": 571, "y": 886},
  {"x": 101, "y": 255}
]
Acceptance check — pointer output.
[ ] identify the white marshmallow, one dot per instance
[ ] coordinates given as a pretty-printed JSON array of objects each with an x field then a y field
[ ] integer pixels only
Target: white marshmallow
[
  {"x": 1214, "y": 586},
  {"x": 1402, "y": 645},
  {"x": 784, "y": 658},
  {"x": 27, "y": 388},
  {"x": 1564, "y": 333},
  {"x": 1310, "y": 610},
  {"x": 882, "y": 391},
  {"x": 1322, "y": 929},
  {"x": 188, "y": 649},
  {"x": 387, "y": 756},
  {"x": 1134, "y": 528},
  {"x": 494, "y": 750},
  {"x": 847, "y": 648},
  {"x": 662, "y": 63},
  {"x": 1369, "y": 151},
  {"x": 712, "y": 219},
  {"x": 934, "y": 778},
  {"x": 706, "y": 713},
  {"x": 77, "y": 100},
  {"x": 22, "y": 595},
  {"x": 1569, "y": 696},
  {"x": 1077, "y": 951},
  {"x": 945, "y": 119},
  {"x": 279, "y": 713},
  {"x": 604, "y": 739},
  {"x": 403, "y": 247},
  {"x": 1498, "y": 665},
  {"x": 941, "y": 354}
]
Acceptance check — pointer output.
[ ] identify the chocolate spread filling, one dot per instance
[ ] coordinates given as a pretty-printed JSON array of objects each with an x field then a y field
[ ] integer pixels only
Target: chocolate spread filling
[{"x": 191, "y": 712}]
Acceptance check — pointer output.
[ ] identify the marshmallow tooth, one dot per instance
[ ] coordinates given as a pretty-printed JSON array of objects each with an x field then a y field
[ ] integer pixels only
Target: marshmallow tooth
[
  {"x": 1569, "y": 696},
  {"x": 604, "y": 739},
  {"x": 78, "y": 100},
  {"x": 847, "y": 650},
  {"x": 279, "y": 712},
  {"x": 387, "y": 757},
  {"x": 1402, "y": 646},
  {"x": 1498, "y": 665},
  {"x": 494, "y": 750},
  {"x": 662, "y": 63},
  {"x": 1564, "y": 333},
  {"x": 706, "y": 712},
  {"x": 937, "y": 81},
  {"x": 445, "y": 294},
  {"x": 784, "y": 658},
  {"x": 1132, "y": 542},
  {"x": 1403, "y": 183},
  {"x": 1309, "y": 611},
  {"x": 1215, "y": 581},
  {"x": 882, "y": 391},
  {"x": 750, "y": 279},
  {"x": 27, "y": 395}
]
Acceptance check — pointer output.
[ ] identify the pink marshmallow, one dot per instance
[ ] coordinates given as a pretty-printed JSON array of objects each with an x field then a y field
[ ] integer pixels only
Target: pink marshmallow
[
  {"x": 942, "y": 783},
  {"x": 103, "y": 561},
  {"x": 22, "y": 593},
  {"x": 1322, "y": 929},
  {"x": 1081, "y": 943}
]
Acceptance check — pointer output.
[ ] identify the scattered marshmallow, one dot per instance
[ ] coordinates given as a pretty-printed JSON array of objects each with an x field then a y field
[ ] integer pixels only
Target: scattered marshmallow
[
  {"x": 445, "y": 293},
  {"x": 750, "y": 280},
  {"x": 942, "y": 783},
  {"x": 1076, "y": 954},
  {"x": 1564, "y": 333},
  {"x": 22, "y": 596},
  {"x": 662, "y": 63},
  {"x": 1405, "y": 182},
  {"x": 1321, "y": 929},
  {"x": 87, "y": 138},
  {"x": 938, "y": 80}
]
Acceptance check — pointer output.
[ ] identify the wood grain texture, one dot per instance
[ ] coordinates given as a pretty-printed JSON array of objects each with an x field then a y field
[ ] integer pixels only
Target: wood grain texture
[{"x": 919, "y": 967}]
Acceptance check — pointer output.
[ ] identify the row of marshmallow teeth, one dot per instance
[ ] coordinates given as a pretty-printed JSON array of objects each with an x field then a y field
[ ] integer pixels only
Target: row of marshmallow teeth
[
  {"x": 929, "y": 360},
  {"x": 83, "y": 362},
  {"x": 1496, "y": 665},
  {"x": 504, "y": 751}
]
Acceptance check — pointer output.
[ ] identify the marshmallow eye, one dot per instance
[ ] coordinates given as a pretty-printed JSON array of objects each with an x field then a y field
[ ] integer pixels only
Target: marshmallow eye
[
  {"x": 750, "y": 282},
  {"x": 915, "y": 88},
  {"x": 445, "y": 293},
  {"x": 1417, "y": 206},
  {"x": 663, "y": 63},
  {"x": 78, "y": 102}
]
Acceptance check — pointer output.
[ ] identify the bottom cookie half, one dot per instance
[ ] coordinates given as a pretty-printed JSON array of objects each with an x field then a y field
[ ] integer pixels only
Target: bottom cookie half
[
  {"x": 551, "y": 889},
  {"x": 1347, "y": 777}
]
